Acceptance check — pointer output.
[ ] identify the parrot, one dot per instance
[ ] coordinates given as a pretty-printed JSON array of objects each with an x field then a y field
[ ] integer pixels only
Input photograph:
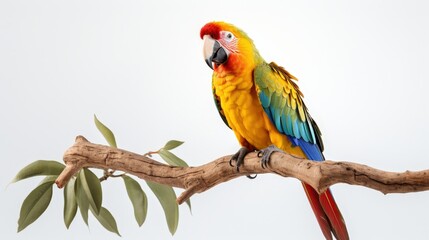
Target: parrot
[{"x": 263, "y": 105}]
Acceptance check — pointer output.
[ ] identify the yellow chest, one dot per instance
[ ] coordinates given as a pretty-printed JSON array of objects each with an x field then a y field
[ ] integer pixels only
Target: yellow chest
[
  {"x": 243, "y": 110},
  {"x": 246, "y": 116}
]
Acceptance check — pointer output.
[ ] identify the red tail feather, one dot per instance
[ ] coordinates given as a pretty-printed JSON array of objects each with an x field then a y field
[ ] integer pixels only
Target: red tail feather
[
  {"x": 313, "y": 198},
  {"x": 327, "y": 213},
  {"x": 334, "y": 215}
]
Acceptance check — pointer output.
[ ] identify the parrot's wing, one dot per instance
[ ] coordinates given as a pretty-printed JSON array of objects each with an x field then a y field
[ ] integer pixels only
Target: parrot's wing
[
  {"x": 219, "y": 107},
  {"x": 282, "y": 101}
]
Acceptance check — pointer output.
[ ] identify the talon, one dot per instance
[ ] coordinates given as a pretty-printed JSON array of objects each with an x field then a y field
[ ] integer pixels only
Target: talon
[
  {"x": 239, "y": 157},
  {"x": 251, "y": 177},
  {"x": 230, "y": 162},
  {"x": 265, "y": 154}
]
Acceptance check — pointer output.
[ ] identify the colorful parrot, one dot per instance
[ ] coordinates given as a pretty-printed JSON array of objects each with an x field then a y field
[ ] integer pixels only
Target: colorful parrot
[{"x": 263, "y": 105}]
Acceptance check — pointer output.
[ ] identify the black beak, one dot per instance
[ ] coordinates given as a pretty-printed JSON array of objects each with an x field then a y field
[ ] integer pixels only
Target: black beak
[
  {"x": 219, "y": 55},
  {"x": 214, "y": 52}
]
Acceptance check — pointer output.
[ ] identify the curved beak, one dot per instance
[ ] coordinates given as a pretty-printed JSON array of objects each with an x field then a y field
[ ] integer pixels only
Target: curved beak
[{"x": 214, "y": 52}]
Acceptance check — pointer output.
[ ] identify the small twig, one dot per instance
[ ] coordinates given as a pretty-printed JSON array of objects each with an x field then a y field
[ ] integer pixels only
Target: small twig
[
  {"x": 109, "y": 173},
  {"x": 150, "y": 153}
]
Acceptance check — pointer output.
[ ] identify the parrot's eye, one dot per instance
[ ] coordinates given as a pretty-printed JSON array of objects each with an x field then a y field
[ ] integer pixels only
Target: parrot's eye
[{"x": 228, "y": 36}]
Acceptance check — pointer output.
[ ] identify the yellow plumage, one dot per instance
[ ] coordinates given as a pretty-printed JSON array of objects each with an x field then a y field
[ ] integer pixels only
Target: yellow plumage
[{"x": 244, "y": 114}]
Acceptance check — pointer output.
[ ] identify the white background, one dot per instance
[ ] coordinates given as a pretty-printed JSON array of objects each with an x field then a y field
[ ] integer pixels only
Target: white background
[{"x": 363, "y": 67}]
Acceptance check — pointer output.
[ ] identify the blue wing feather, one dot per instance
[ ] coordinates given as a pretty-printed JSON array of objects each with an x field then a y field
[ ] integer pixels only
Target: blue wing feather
[
  {"x": 311, "y": 150},
  {"x": 295, "y": 129},
  {"x": 265, "y": 100},
  {"x": 268, "y": 112},
  {"x": 276, "y": 117}
]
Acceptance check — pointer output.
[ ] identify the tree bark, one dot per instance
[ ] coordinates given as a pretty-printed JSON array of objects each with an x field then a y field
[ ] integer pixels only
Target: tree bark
[{"x": 320, "y": 175}]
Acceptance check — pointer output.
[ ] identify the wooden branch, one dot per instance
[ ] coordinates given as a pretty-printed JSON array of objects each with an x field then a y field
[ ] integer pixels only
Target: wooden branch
[{"x": 320, "y": 175}]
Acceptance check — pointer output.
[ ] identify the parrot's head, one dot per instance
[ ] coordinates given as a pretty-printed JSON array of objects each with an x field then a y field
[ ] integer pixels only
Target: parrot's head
[{"x": 227, "y": 48}]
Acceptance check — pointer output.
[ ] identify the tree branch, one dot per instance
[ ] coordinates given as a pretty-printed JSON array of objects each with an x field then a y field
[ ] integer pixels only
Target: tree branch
[{"x": 320, "y": 175}]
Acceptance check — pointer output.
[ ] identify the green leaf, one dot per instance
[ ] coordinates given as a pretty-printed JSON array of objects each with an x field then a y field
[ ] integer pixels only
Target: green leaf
[
  {"x": 167, "y": 198},
  {"x": 171, "y": 159},
  {"x": 39, "y": 168},
  {"x": 81, "y": 199},
  {"x": 36, "y": 203},
  {"x": 172, "y": 144},
  {"x": 92, "y": 188},
  {"x": 108, "y": 135},
  {"x": 107, "y": 220},
  {"x": 188, "y": 202},
  {"x": 138, "y": 199},
  {"x": 70, "y": 204}
]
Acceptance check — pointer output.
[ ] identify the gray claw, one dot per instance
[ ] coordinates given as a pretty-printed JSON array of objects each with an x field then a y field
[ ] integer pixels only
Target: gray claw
[
  {"x": 265, "y": 154},
  {"x": 251, "y": 177},
  {"x": 239, "y": 157}
]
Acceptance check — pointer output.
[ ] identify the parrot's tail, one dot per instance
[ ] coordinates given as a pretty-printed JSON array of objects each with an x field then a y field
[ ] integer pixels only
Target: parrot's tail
[{"x": 327, "y": 213}]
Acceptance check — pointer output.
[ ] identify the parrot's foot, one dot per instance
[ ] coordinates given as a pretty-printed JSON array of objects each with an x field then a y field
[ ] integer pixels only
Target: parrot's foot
[
  {"x": 265, "y": 154},
  {"x": 239, "y": 157}
]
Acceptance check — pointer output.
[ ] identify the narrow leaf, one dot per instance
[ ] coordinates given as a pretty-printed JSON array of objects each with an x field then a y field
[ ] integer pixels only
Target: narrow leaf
[
  {"x": 81, "y": 199},
  {"x": 167, "y": 198},
  {"x": 70, "y": 204},
  {"x": 188, "y": 202},
  {"x": 92, "y": 188},
  {"x": 138, "y": 199},
  {"x": 39, "y": 168},
  {"x": 172, "y": 144},
  {"x": 107, "y": 133},
  {"x": 36, "y": 203},
  {"x": 171, "y": 159},
  {"x": 107, "y": 220}
]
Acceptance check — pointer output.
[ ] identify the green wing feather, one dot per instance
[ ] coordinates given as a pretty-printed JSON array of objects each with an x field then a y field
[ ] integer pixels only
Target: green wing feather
[
  {"x": 219, "y": 108},
  {"x": 282, "y": 101}
]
